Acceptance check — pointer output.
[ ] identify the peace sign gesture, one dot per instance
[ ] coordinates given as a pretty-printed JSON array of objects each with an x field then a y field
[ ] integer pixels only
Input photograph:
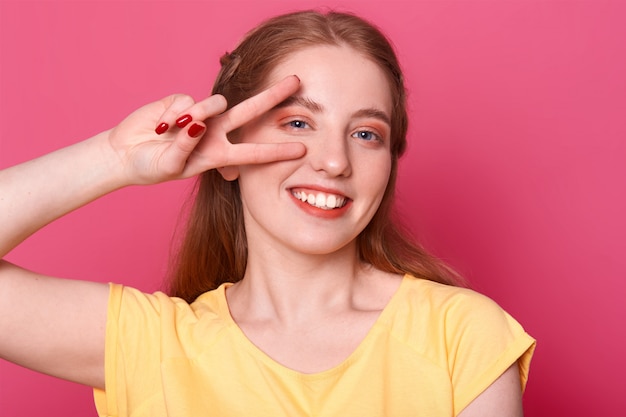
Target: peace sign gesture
[{"x": 191, "y": 138}]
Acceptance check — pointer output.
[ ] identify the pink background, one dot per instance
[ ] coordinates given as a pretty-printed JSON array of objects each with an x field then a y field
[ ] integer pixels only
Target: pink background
[{"x": 515, "y": 173}]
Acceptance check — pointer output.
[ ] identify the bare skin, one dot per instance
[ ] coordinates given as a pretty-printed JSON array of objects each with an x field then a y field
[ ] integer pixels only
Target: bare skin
[{"x": 57, "y": 325}]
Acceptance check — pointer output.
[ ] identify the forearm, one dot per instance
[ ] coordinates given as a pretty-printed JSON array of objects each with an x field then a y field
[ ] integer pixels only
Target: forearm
[{"x": 39, "y": 191}]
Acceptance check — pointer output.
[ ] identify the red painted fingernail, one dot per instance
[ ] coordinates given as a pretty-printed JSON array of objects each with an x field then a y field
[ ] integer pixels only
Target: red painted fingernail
[
  {"x": 195, "y": 130},
  {"x": 183, "y": 121},
  {"x": 162, "y": 128}
]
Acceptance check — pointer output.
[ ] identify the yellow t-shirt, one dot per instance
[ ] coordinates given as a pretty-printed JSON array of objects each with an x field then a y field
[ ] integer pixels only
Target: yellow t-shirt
[{"x": 433, "y": 349}]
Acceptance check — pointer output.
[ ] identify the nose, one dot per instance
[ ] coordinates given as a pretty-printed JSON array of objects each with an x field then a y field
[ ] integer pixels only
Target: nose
[{"x": 331, "y": 155}]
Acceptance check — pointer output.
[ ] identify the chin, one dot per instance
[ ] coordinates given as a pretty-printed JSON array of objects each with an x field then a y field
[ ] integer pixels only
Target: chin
[{"x": 322, "y": 247}]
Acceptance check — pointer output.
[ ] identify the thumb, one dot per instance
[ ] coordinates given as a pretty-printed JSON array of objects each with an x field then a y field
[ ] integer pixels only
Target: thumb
[{"x": 176, "y": 155}]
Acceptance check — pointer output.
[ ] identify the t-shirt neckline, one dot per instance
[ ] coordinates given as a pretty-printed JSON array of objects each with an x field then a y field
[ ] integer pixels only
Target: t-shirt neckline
[{"x": 384, "y": 317}]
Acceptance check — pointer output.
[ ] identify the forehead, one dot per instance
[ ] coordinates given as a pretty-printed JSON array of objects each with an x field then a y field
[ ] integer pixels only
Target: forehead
[{"x": 338, "y": 72}]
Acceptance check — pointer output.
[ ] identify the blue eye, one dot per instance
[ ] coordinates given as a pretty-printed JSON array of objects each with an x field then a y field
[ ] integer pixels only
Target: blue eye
[
  {"x": 366, "y": 135},
  {"x": 298, "y": 124}
]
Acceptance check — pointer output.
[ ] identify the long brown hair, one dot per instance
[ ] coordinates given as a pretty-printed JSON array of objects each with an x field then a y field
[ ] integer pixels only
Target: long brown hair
[{"x": 214, "y": 248}]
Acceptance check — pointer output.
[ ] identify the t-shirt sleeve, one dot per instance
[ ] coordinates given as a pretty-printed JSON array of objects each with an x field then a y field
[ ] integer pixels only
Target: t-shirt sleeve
[
  {"x": 482, "y": 342},
  {"x": 132, "y": 351}
]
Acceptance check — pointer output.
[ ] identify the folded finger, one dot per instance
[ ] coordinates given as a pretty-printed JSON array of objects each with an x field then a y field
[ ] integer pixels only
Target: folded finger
[
  {"x": 176, "y": 155},
  {"x": 175, "y": 104},
  {"x": 183, "y": 110},
  {"x": 202, "y": 110}
]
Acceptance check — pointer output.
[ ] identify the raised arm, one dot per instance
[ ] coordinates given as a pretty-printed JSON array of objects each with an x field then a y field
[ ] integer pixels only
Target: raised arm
[
  {"x": 56, "y": 326},
  {"x": 503, "y": 398}
]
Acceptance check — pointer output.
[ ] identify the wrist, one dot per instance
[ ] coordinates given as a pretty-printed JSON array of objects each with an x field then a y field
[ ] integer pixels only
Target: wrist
[{"x": 107, "y": 169}]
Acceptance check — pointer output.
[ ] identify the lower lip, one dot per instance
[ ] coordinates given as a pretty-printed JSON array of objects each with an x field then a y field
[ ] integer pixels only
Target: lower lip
[{"x": 318, "y": 212}]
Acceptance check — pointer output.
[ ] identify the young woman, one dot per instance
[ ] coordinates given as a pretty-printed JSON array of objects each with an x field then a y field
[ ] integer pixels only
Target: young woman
[{"x": 294, "y": 292}]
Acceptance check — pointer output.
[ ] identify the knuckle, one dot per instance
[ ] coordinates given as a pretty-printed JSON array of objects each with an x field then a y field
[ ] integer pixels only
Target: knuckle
[
  {"x": 178, "y": 102},
  {"x": 214, "y": 105}
]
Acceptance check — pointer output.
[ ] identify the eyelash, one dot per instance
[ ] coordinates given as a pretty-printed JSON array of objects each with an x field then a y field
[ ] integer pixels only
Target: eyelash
[
  {"x": 301, "y": 124},
  {"x": 375, "y": 136},
  {"x": 293, "y": 123}
]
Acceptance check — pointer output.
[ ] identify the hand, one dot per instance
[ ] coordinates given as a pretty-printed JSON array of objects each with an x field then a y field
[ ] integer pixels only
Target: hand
[{"x": 201, "y": 144}]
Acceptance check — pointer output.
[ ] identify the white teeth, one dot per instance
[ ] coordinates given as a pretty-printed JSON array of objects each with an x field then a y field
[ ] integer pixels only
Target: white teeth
[{"x": 320, "y": 200}]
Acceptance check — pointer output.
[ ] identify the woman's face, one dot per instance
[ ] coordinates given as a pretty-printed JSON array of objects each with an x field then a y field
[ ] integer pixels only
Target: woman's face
[{"x": 320, "y": 203}]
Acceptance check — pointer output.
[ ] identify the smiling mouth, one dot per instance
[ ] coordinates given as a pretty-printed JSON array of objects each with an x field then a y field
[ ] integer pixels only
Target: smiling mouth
[{"x": 320, "y": 200}]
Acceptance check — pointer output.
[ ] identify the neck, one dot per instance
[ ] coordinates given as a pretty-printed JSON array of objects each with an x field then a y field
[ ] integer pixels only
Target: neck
[{"x": 296, "y": 287}]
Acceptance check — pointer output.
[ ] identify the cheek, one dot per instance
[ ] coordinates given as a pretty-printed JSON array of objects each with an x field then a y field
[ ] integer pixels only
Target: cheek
[
  {"x": 264, "y": 180},
  {"x": 251, "y": 182},
  {"x": 374, "y": 184},
  {"x": 378, "y": 172},
  {"x": 387, "y": 175}
]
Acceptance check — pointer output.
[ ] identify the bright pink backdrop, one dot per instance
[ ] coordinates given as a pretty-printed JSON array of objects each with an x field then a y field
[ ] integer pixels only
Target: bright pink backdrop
[{"x": 515, "y": 173}]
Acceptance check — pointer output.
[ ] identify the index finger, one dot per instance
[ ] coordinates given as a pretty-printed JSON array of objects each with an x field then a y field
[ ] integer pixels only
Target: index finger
[{"x": 256, "y": 105}]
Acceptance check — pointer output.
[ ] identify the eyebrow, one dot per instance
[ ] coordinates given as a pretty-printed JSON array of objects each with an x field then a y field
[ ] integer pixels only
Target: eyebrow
[
  {"x": 300, "y": 101},
  {"x": 374, "y": 114},
  {"x": 315, "y": 107}
]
